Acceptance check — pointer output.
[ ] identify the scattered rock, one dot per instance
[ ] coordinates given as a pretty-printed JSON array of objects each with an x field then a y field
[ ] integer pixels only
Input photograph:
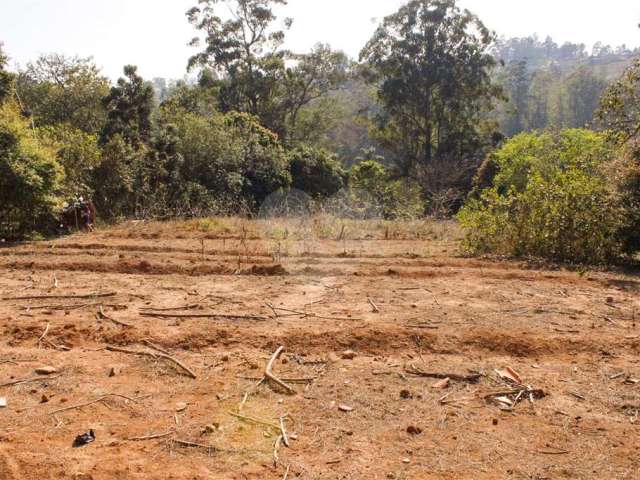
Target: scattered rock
[
  {"x": 333, "y": 358},
  {"x": 113, "y": 371},
  {"x": 442, "y": 384},
  {"x": 225, "y": 358},
  {"x": 345, "y": 408},
  {"x": 3, "y": 402},
  {"x": 181, "y": 407},
  {"x": 46, "y": 370},
  {"x": 84, "y": 439},
  {"x": 495, "y": 421},
  {"x": 610, "y": 300},
  {"x": 348, "y": 355},
  {"x": 406, "y": 460},
  {"x": 412, "y": 430},
  {"x": 44, "y": 399},
  {"x": 405, "y": 394}
]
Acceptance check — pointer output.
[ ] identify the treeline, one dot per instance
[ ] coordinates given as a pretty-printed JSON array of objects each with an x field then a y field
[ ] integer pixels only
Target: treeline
[
  {"x": 548, "y": 85},
  {"x": 400, "y": 132}
]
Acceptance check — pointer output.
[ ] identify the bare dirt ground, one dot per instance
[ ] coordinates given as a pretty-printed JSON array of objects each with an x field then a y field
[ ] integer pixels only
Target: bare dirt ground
[{"x": 398, "y": 296}]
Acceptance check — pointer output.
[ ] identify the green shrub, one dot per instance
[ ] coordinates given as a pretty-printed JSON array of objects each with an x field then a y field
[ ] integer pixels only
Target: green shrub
[
  {"x": 30, "y": 176},
  {"x": 371, "y": 182},
  {"x": 316, "y": 172},
  {"x": 552, "y": 198}
]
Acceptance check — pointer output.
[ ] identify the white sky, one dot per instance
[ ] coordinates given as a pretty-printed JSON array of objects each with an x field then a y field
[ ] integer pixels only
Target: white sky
[{"x": 153, "y": 33}]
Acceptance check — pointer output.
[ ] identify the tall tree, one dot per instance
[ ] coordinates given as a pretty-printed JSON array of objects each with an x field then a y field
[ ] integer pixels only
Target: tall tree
[
  {"x": 58, "y": 89},
  {"x": 129, "y": 106},
  {"x": 6, "y": 78},
  {"x": 432, "y": 63},
  {"x": 257, "y": 75}
]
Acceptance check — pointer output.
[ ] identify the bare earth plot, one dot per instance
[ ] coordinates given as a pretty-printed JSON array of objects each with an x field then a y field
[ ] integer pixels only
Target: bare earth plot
[{"x": 362, "y": 313}]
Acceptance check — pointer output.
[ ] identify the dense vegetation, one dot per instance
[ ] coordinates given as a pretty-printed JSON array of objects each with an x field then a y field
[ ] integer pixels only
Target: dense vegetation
[{"x": 535, "y": 144}]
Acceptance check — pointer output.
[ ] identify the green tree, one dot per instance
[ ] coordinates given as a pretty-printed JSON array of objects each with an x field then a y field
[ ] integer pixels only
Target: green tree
[
  {"x": 433, "y": 65},
  {"x": 582, "y": 93},
  {"x": 58, "y": 89},
  {"x": 7, "y": 79},
  {"x": 129, "y": 106},
  {"x": 30, "y": 176},
  {"x": 316, "y": 172},
  {"x": 256, "y": 75},
  {"x": 517, "y": 84}
]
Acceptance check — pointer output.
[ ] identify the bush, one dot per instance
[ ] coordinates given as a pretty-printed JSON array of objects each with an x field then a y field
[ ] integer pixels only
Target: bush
[
  {"x": 316, "y": 172},
  {"x": 393, "y": 198},
  {"x": 552, "y": 198},
  {"x": 30, "y": 176}
]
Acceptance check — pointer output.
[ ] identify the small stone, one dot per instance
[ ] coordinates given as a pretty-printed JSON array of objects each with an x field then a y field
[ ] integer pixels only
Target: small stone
[
  {"x": 181, "y": 407},
  {"x": 44, "y": 399},
  {"x": 610, "y": 300},
  {"x": 225, "y": 358},
  {"x": 406, "y": 460},
  {"x": 332, "y": 357},
  {"x": 495, "y": 421},
  {"x": 405, "y": 394},
  {"x": 411, "y": 430},
  {"x": 113, "y": 371},
  {"x": 442, "y": 384},
  {"x": 209, "y": 429},
  {"x": 345, "y": 408},
  {"x": 46, "y": 370},
  {"x": 348, "y": 355},
  {"x": 3, "y": 402}
]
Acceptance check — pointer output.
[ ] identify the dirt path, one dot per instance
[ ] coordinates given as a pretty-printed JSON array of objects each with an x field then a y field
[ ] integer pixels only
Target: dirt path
[{"x": 573, "y": 336}]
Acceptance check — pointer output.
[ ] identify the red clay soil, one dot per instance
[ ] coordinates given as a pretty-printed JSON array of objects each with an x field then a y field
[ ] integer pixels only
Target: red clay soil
[{"x": 354, "y": 316}]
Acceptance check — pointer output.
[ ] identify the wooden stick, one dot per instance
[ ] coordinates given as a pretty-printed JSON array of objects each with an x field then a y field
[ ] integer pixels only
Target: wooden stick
[
  {"x": 29, "y": 380},
  {"x": 474, "y": 378},
  {"x": 153, "y": 355},
  {"x": 150, "y": 437},
  {"x": 374, "y": 306},
  {"x": 58, "y": 297},
  {"x": 285, "y": 437},
  {"x": 254, "y": 420},
  {"x": 221, "y": 316},
  {"x": 313, "y": 315},
  {"x": 276, "y": 446},
  {"x": 174, "y": 309},
  {"x": 44, "y": 334},
  {"x": 286, "y": 474},
  {"x": 184, "y": 443},
  {"x": 155, "y": 347},
  {"x": 268, "y": 372},
  {"x": 86, "y": 404},
  {"x": 104, "y": 316}
]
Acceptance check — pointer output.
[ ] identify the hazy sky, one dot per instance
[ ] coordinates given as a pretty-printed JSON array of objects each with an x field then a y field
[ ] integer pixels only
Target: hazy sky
[{"x": 153, "y": 33}]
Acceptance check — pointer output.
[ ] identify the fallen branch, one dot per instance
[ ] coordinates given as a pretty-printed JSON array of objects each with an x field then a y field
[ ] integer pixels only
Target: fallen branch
[
  {"x": 44, "y": 334},
  {"x": 276, "y": 446},
  {"x": 150, "y": 437},
  {"x": 283, "y": 432},
  {"x": 104, "y": 316},
  {"x": 221, "y": 316},
  {"x": 92, "y": 402},
  {"x": 29, "y": 380},
  {"x": 268, "y": 371},
  {"x": 58, "y": 297},
  {"x": 254, "y": 420},
  {"x": 174, "y": 309},
  {"x": 313, "y": 315},
  {"x": 184, "y": 443},
  {"x": 374, "y": 306},
  {"x": 186, "y": 369},
  {"x": 155, "y": 347},
  {"x": 473, "y": 378}
]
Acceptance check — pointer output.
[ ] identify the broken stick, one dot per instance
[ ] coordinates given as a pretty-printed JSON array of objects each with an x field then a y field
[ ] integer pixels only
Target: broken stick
[
  {"x": 268, "y": 372},
  {"x": 175, "y": 361},
  {"x": 473, "y": 378},
  {"x": 58, "y": 297}
]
